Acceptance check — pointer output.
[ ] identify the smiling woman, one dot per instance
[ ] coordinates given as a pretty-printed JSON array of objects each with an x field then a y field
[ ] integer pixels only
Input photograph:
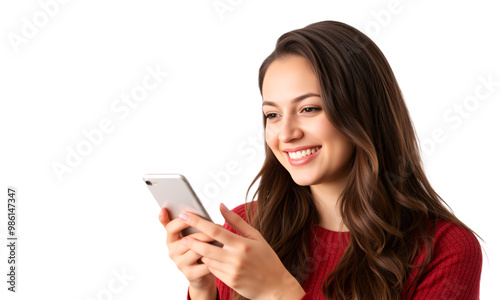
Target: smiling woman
[{"x": 343, "y": 208}]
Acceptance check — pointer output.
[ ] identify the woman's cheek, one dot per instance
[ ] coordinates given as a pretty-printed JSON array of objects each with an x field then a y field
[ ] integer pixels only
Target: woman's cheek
[{"x": 271, "y": 136}]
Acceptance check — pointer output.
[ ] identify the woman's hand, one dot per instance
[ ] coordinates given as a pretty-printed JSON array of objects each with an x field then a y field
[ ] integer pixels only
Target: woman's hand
[
  {"x": 246, "y": 263},
  {"x": 198, "y": 275}
]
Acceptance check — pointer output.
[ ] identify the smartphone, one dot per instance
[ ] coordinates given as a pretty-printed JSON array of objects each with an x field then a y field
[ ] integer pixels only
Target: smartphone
[{"x": 174, "y": 192}]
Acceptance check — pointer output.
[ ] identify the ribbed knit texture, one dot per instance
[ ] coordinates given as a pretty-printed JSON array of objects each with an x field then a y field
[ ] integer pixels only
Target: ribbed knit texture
[{"x": 453, "y": 274}]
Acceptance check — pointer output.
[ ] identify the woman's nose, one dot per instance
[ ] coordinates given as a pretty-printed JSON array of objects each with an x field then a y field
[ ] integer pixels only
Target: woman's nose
[{"x": 289, "y": 130}]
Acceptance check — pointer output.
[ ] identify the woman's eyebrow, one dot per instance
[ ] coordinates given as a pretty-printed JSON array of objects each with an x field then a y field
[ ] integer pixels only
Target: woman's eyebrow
[{"x": 295, "y": 100}]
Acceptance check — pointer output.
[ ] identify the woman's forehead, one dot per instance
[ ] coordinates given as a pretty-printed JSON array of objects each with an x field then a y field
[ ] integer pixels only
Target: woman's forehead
[{"x": 288, "y": 78}]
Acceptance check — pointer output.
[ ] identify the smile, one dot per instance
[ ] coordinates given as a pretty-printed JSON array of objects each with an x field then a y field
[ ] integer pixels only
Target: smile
[
  {"x": 303, "y": 156},
  {"x": 300, "y": 154}
]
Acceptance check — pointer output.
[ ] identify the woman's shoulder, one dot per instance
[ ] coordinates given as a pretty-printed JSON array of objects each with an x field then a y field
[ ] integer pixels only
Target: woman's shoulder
[
  {"x": 453, "y": 244},
  {"x": 455, "y": 266},
  {"x": 449, "y": 235}
]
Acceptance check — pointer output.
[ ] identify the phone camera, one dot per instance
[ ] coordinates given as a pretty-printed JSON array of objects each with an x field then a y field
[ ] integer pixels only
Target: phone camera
[{"x": 148, "y": 182}]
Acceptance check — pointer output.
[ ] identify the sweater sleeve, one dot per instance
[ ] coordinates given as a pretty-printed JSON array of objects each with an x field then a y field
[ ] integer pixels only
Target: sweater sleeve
[{"x": 455, "y": 269}]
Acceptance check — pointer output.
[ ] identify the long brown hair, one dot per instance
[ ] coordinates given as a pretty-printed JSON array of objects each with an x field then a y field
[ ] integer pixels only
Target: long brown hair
[{"x": 388, "y": 204}]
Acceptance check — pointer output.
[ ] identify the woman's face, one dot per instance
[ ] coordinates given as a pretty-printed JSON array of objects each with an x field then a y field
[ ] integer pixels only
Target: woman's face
[{"x": 297, "y": 129}]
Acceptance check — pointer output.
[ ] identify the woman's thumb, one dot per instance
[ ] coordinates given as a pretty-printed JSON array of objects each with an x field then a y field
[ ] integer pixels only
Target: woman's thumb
[{"x": 163, "y": 216}]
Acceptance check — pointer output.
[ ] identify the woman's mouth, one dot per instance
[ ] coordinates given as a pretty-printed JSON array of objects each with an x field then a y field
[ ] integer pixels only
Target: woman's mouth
[{"x": 301, "y": 157}]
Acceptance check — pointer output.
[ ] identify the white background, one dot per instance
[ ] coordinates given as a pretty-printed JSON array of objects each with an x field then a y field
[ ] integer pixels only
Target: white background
[{"x": 99, "y": 218}]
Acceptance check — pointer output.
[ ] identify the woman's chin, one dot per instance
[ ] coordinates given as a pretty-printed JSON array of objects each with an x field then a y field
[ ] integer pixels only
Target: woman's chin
[{"x": 303, "y": 180}]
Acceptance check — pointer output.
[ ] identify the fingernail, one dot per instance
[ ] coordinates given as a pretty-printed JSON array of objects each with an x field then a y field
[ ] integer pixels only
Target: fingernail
[
  {"x": 185, "y": 241},
  {"x": 224, "y": 208},
  {"x": 184, "y": 216}
]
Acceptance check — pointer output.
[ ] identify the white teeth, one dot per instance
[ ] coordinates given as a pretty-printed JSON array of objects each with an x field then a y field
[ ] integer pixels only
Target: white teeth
[{"x": 300, "y": 154}]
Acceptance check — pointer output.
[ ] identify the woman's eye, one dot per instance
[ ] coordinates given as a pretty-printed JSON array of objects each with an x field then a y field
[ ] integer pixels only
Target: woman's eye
[
  {"x": 311, "y": 109},
  {"x": 270, "y": 116}
]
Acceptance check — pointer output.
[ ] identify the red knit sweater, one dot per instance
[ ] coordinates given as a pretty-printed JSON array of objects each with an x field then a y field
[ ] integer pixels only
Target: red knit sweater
[{"x": 454, "y": 272}]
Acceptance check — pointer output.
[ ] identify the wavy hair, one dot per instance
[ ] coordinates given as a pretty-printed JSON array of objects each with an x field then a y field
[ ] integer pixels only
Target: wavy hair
[{"x": 388, "y": 204}]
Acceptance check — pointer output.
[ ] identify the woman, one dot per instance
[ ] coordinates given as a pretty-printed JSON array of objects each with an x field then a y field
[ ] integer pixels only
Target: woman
[{"x": 343, "y": 208}]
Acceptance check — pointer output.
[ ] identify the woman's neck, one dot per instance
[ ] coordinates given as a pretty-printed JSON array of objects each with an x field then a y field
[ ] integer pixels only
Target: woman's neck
[{"x": 326, "y": 196}]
